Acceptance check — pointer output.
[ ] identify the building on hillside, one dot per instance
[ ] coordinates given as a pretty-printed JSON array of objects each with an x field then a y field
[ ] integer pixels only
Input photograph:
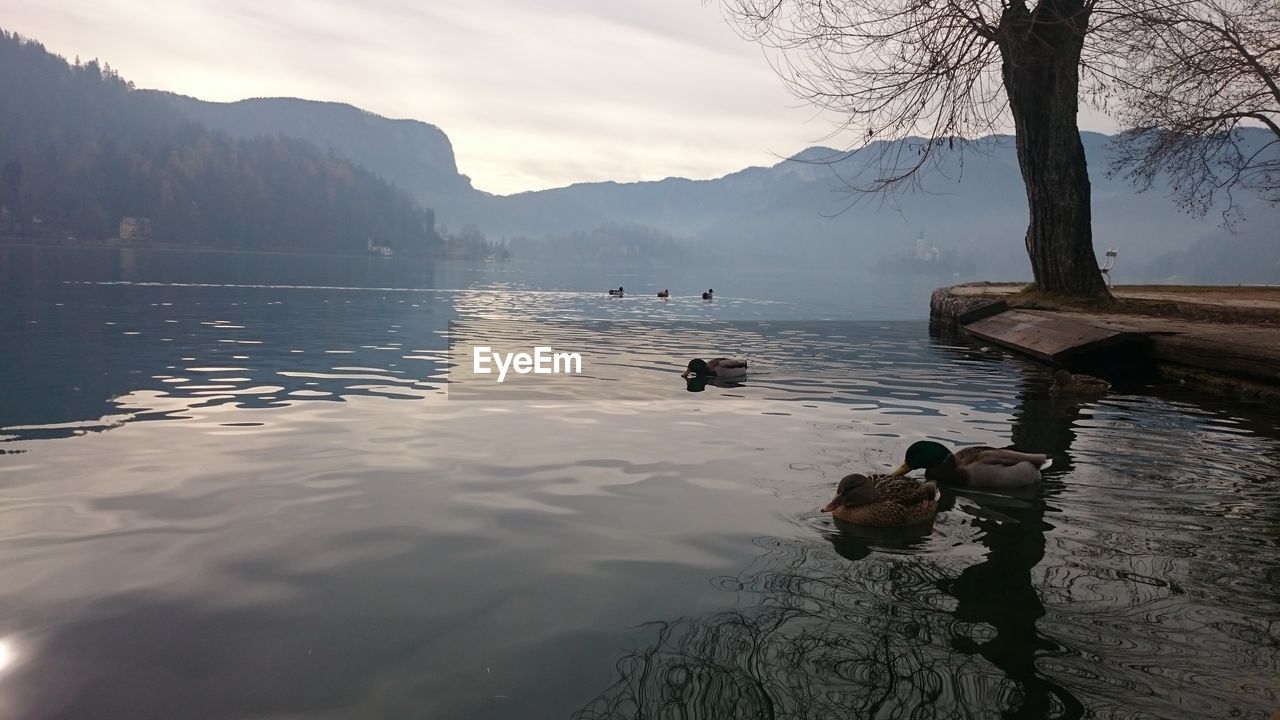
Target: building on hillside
[
  {"x": 135, "y": 229},
  {"x": 925, "y": 252}
]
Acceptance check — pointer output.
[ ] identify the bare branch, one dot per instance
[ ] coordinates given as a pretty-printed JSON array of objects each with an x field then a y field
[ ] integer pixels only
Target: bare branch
[{"x": 1199, "y": 74}]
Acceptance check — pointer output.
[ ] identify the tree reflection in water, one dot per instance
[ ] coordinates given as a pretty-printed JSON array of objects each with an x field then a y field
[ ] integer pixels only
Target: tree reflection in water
[
  {"x": 892, "y": 634},
  {"x": 883, "y": 638}
]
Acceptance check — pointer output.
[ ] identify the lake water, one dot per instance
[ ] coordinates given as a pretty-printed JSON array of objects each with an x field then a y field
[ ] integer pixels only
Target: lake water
[{"x": 242, "y": 487}]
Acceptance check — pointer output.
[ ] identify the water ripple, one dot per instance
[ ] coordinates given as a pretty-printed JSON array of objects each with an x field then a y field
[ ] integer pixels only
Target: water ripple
[{"x": 321, "y": 508}]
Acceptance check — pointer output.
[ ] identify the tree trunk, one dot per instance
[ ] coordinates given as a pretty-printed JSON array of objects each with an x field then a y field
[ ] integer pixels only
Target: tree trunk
[{"x": 1040, "y": 50}]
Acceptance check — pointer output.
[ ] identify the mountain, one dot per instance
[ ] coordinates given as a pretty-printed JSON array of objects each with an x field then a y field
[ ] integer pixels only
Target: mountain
[
  {"x": 1249, "y": 256},
  {"x": 85, "y": 156},
  {"x": 970, "y": 205},
  {"x": 288, "y": 173},
  {"x": 414, "y": 155}
]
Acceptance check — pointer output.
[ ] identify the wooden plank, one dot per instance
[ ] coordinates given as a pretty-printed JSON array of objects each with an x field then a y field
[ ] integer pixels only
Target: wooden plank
[
  {"x": 982, "y": 312},
  {"x": 1047, "y": 336}
]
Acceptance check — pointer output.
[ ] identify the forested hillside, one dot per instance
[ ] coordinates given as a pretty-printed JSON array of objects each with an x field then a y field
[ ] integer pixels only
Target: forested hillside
[
  {"x": 415, "y": 155},
  {"x": 80, "y": 150}
]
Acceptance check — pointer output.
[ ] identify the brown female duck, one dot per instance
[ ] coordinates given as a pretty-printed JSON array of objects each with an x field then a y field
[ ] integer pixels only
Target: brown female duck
[
  {"x": 883, "y": 501},
  {"x": 1065, "y": 383}
]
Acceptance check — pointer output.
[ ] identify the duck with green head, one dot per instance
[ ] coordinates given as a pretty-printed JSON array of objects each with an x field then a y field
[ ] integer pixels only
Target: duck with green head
[
  {"x": 978, "y": 466},
  {"x": 720, "y": 368},
  {"x": 883, "y": 501}
]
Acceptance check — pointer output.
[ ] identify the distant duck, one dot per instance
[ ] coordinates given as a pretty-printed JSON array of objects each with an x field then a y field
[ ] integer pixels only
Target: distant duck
[
  {"x": 1065, "y": 383},
  {"x": 974, "y": 466},
  {"x": 720, "y": 368},
  {"x": 664, "y": 294},
  {"x": 707, "y": 295},
  {"x": 883, "y": 501},
  {"x": 616, "y": 293}
]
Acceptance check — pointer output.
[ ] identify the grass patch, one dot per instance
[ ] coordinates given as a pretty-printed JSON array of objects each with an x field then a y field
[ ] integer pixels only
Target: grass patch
[{"x": 1031, "y": 296}]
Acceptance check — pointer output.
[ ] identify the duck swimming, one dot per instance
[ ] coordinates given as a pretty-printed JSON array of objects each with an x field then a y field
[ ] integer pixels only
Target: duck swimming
[
  {"x": 664, "y": 294},
  {"x": 616, "y": 293},
  {"x": 708, "y": 294},
  {"x": 1065, "y": 383},
  {"x": 883, "y": 500},
  {"x": 721, "y": 368},
  {"x": 979, "y": 466}
]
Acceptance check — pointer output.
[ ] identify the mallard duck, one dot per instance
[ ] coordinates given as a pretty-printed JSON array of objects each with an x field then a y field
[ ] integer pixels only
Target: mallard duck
[
  {"x": 708, "y": 294},
  {"x": 1065, "y": 383},
  {"x": 664, "y": 294},
  {"x": 883, "y": 500},
  {"x": 973, "y": 466},
  {"x": 722, "y": 368},
  {"x": 616, "y": 293}
]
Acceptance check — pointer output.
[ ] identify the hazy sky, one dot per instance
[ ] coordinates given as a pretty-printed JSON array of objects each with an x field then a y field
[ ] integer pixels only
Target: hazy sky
[{"x": 533, "y": 93}]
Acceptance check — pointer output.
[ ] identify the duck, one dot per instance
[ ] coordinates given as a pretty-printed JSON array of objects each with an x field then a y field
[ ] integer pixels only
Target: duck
[
  {"x": 721, "y": 368},
  {"x": 978, "y": 466},
  {"x": 664, "y": 294},
  {"x": 883, "y": 500},
  {"x": 708, "y": 294},
  {"x": 1065, "y": 383},
  {"x": 616, "y": 293}
]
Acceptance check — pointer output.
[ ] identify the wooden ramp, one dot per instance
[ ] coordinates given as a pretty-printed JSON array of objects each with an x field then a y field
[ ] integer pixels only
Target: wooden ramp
[{"x": 1048, "y": 336}]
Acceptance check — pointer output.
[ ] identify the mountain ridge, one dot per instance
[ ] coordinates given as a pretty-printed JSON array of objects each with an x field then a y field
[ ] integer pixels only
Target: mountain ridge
[
  {"x": 798, "y": 210},
  {"x": 87, "y": 158},
  {"x": 973, "y": 204},
  {"x": 413, "y": 154}
]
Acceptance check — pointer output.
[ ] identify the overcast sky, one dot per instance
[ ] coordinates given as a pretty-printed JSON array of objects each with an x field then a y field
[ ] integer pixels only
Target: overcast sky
[{"x": 533, "y": 93}]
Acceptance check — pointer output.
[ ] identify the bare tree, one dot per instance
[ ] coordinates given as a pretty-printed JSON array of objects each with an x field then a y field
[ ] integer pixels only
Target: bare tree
[
  {"x": 948, "y": 70},
  {"x": 1200, "y": 72}
]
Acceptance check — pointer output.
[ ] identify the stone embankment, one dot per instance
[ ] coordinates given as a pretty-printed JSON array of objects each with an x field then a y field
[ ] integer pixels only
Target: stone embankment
[{"x": 1221, "y": 339}]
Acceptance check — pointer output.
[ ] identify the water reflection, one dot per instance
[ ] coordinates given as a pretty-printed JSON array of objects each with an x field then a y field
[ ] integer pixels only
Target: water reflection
[
  {"x": 309, "y": 644},
  {"x": 888, "y": 635},
  {"x": 999, "y": 594},
  {"x": 877, "y": 624},
  {"x": 111, "y": 354},
  {"x": 695, "y": 383},
  {"x": 317, "y": 530},
  {"x": 6, "y": 654},
  {"x": 816, "y": 637}
]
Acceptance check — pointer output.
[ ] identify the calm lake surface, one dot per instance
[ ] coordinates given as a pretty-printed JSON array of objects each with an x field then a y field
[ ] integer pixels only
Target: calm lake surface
[{"x": 242, "y": 487}]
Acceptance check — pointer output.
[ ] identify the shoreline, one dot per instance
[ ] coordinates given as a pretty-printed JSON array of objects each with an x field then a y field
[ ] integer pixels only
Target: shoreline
[
  {"x": 1223, "y": 340},
  {"x": 54, "y": 245}
]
